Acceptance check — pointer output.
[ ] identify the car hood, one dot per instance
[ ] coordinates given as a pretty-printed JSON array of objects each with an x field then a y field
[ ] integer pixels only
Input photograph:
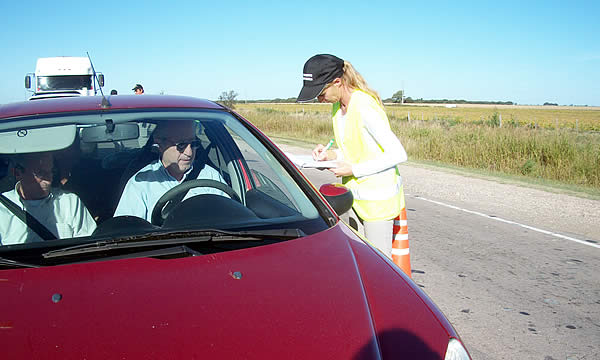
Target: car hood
[{"x": 328, "y": 295}]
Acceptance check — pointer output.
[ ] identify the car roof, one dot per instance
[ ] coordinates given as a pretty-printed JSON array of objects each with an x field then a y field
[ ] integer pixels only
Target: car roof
[{"x": 94, "y": 103}]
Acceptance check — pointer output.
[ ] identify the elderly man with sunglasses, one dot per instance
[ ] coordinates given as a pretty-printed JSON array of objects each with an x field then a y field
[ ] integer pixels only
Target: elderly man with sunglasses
[{"x": 177, "y": 144}]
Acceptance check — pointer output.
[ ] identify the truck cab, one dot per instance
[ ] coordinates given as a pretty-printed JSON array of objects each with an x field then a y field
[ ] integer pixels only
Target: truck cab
[{"x": 63, "y": 76}]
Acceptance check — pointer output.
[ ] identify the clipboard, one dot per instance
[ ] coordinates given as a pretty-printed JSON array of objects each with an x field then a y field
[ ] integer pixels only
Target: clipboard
[{"x": 307, "y": 162}]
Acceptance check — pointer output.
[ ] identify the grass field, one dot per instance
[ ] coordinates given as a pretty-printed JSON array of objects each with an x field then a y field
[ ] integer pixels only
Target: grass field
[
  {"x": 548, "y": 117},
  {"x": 496, "y": 139}
]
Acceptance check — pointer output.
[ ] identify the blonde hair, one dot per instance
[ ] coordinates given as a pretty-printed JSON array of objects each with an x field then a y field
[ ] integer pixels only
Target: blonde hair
[{"x": 354, "y": 80}]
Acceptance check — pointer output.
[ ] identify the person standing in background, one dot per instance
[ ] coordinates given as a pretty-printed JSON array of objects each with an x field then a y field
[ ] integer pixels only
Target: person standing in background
[
  {"x": 368, "y": 151},
  {"x": 138, "y": 89}
]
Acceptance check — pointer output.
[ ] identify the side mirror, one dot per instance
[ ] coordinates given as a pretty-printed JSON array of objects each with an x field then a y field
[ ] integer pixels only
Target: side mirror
[
  {"x": 101, "y": 80},
  {"x": 338, "y": 196},
  {"x": 27, "y": 82}
]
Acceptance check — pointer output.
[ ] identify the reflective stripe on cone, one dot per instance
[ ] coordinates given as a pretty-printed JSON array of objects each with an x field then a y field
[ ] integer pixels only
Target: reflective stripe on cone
[{"x": 400, "y": 250}]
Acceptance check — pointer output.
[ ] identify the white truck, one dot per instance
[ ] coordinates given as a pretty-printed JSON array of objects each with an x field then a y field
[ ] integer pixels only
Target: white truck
[{"x": 63, "y": 76}]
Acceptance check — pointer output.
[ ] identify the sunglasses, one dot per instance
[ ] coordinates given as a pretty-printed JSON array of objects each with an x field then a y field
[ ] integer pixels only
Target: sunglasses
[{"x": 181, "y": 146}]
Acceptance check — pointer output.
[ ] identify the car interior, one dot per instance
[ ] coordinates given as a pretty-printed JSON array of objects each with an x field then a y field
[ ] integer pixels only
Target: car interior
[{"x": 101, "y": 158}]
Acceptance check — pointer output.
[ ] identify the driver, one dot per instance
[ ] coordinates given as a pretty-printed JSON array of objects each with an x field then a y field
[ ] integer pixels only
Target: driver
[
  {"x": 62, "y": 213},
  {"x": 177, "y": 144}
]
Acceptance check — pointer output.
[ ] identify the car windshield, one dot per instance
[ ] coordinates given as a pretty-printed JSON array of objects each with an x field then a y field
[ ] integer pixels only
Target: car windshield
[
  {"x": 80, "y": 178},
  {"x": 64, "y": 82}
]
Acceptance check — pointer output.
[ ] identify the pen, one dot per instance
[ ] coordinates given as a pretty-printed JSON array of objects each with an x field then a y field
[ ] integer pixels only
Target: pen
[{"x": 323, "y": 151}]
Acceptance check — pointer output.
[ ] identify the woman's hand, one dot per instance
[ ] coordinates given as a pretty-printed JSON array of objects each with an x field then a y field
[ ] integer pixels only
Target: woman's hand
[
  {"x": 319, "y": 153},
  {"x": 343, "y": 169}
]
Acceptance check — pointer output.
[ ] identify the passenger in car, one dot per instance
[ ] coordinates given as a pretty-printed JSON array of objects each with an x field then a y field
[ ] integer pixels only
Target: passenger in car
[
  {"x": 177, "y": 145},
  {"x": 60, "y": 212}
]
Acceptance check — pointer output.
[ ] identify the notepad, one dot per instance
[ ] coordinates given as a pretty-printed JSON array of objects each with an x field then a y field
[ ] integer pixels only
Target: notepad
[{"x": 307, "y": 161}]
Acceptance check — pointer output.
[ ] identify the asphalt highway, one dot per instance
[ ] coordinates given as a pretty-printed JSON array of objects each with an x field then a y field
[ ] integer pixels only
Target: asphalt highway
[{"x": 516, "y": 270}]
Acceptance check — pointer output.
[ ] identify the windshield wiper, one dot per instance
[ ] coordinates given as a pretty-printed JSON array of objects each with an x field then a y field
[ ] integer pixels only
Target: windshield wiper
[
  {"x": 13, "y": 263},
  {"x": 175, "y": 237}
]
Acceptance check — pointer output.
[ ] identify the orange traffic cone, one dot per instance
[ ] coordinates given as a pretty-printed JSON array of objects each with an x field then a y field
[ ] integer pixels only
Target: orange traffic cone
[{"x": 400, "y": 252}]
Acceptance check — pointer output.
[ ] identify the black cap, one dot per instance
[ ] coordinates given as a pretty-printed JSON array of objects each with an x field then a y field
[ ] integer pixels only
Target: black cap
[
  {"x": 319, "y": 71},
  {"x": 138, "y": 86}
]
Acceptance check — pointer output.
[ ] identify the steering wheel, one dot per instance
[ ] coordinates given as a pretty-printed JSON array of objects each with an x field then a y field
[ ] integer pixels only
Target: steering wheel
[{"x": 159, "y": 215}]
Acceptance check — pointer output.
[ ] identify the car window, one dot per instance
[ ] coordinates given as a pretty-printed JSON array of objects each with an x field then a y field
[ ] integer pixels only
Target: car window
[{"x": 121, "y": 166}]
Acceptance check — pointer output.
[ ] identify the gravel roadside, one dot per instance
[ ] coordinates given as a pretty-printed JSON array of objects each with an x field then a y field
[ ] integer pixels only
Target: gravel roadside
[{"x": 561, "y": 213}]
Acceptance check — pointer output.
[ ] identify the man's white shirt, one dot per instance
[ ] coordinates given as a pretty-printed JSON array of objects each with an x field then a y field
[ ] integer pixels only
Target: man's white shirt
[
  {"x": 64, "y": 214},
  {"x": 144, "y": 189}
]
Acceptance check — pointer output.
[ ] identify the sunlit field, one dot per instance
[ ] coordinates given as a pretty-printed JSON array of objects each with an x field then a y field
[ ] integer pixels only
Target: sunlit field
[
  {"x": 511, "y": 140},
  {"x": 577, "y": 118}
]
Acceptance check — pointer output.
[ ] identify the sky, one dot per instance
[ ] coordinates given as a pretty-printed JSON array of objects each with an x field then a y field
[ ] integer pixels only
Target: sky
[{"x": 528, "y": 52}]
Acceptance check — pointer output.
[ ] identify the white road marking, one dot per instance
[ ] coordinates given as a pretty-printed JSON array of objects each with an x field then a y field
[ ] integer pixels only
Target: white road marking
[{"x": 510, "y": 222}]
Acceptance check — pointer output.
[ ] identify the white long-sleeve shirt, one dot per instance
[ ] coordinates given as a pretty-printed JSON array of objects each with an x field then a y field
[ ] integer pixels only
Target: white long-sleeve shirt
[
  {"x": 375, "y": 132},
  {"x": 60, "y": 212},
  {"x": 147, "y": 186}
]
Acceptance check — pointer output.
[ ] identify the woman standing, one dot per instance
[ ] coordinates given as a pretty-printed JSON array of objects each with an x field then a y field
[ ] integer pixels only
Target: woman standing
[{"x": 368, "y": 151}]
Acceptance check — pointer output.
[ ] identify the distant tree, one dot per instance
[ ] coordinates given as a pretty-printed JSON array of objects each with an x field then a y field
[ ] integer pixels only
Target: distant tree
[
  {"x": 228, "y": 98},
  {"x": 409, "y": 100},
  {"x": 550, "y": 104},
  {"x": 398, "y": 96}
]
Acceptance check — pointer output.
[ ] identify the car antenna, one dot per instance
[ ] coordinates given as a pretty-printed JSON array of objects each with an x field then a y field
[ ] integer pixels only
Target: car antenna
[{"x": 105, "y": 102}]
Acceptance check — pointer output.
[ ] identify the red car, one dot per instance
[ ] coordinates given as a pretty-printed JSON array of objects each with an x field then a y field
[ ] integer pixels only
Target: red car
[{"x": 164, "y": 227}]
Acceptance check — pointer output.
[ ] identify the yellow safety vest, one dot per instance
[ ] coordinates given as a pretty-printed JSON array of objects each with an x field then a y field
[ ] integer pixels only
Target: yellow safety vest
[{"x": 376, "y": 197}]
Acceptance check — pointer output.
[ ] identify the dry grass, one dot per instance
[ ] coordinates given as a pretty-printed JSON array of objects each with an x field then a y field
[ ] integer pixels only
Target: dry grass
[{"x": 546, "y": 117}]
